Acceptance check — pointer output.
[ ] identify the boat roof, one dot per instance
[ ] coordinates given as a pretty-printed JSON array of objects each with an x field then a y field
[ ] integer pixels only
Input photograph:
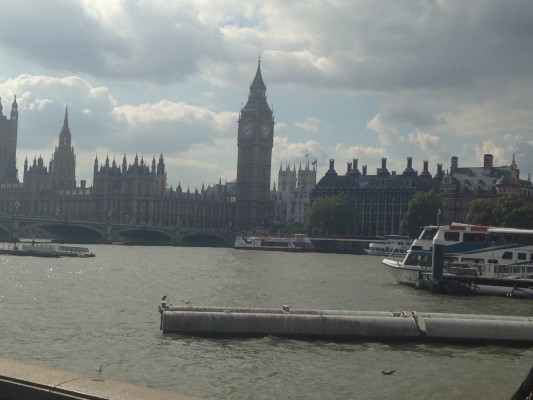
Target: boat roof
[{"x": 457, "y": 226}]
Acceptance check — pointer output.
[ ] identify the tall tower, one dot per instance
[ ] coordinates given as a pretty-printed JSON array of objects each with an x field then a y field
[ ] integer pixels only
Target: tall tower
[
  {"x": 8, "y": 144},
  {"x": 63, "y": 164},
  {"x": 254, "y": 141}
]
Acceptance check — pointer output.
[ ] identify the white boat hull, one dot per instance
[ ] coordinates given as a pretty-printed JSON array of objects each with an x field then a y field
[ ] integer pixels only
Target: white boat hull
[{"x": 403, "y": 275}]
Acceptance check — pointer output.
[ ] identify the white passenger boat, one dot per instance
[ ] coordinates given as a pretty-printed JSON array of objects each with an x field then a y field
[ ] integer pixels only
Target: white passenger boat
[
  {"x": 44, "y": 249},
  {"x": 393, "y": 246},
  {"x": 295, "y": 243},
  {"x": 470, "y": 250}
]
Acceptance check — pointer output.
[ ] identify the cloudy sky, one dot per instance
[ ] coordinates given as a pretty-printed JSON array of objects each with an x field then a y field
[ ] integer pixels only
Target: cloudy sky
[{"x": 428, "y": 79}]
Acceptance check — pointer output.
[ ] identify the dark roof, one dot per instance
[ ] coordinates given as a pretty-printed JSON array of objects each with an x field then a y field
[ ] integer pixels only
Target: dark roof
[
  {"x": 257, "y": 98},
  {"x": 335, "y": 184}
]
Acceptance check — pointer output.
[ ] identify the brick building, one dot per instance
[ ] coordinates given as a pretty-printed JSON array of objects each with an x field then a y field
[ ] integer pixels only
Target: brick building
[{"x": 461, "y": 185}]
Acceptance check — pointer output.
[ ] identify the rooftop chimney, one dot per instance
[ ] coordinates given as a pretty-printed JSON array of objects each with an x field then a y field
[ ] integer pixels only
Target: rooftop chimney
[
  {"x": 331, "y": 170},
  {"x": 355, "y": 168},
  {"x": 455, "y": 163},
  {"x": 487, "y": 161},
  {"x": 383, "y": 170},
  {"x": 425, "y": 172},
  {"x": 409, "y": 169},
  {"x": 364, "y": 170},
  {"x": 439, "y": 171}
]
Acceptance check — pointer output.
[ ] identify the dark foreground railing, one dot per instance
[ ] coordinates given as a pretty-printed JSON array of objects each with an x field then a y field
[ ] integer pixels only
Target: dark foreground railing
[{"x": 22, "y": 381}]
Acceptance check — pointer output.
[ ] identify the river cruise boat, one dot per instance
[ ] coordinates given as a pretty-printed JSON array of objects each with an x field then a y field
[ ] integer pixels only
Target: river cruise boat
[
  {"x": 295, "y": 243},
  {"x": 470, "y": 250},
  {"x": 393, "y": 246},
  {"x": 46, "y": 250}
]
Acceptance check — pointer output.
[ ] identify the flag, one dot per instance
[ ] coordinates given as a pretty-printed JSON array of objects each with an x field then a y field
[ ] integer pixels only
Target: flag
[{"x": 314, "y": 162}]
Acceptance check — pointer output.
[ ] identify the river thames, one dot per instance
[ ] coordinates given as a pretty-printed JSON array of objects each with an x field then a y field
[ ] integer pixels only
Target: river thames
[{"x": 79, "y": 313}]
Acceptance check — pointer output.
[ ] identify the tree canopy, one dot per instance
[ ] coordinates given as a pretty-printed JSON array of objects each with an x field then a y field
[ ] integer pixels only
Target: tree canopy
[
  {"x": 334, "y": 215},
  {"x": 506, "y": 211},
  {"x": 422, "y": 211}
]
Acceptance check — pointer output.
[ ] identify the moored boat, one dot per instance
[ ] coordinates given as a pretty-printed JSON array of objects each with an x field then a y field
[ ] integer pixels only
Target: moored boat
[
  {"x": 295, "y": 243},
  {"x": 47, "y": 250},
  {"x": 473, "y": 251},
  {"x": 393, "y": 246}
]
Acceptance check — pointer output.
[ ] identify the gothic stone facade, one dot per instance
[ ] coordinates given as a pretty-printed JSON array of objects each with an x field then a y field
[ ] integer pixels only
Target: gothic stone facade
[
  {"x": 8, "y": 144},
  {"x": 292, "y": 199},
  {"x": 254, "y": 159},
  {"x": 134, "y": 193}
]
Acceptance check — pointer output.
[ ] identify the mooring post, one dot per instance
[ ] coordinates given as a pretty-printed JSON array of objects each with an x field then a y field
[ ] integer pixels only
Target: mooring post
[{"x": 437, "y": 266}]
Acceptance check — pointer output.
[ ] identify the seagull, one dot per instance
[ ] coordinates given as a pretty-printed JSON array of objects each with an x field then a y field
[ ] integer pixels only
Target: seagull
[
  {"x": 187, "y": 301},
  {"x": 164, "y": 298},
  {"x": 388, "y": 372},
  {"x": 102, "y": 366}
]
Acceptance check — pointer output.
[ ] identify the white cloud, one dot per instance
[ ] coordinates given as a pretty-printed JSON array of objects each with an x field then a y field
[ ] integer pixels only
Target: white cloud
[
  {"x": 432, "y": 78},
  {"x": 387, "y": 135},
  {"x": 310, "y": 124}
]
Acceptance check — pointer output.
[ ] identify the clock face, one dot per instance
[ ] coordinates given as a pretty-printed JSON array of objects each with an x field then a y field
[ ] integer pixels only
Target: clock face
[
  {"x": 265, "y": 130},
  {"x": 247, "y": 130}
]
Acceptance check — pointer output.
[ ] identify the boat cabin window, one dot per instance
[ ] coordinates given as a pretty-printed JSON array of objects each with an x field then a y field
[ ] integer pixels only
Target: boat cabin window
[
  {"x": 525, "y": 240},
  {"x": 474, "y": 237},
  {"x": 428, "y": 233},
  {"x": 422, "y": 260},
  {"x": 492, "y": 261},
  {"x": 501, "y": 238},
  {"x": 507, "y": 255},
  {"x": 472, "y": 260},
  {"x": 451, "y": 236},
  {"x": 521, "y": 256}
]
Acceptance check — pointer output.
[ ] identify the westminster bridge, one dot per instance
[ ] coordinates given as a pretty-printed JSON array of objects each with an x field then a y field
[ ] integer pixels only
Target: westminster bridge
[{"x": 12, "y": 228}]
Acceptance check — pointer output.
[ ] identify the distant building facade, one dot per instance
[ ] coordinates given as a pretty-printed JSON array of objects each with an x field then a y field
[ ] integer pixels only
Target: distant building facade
[
  {"x": 129, "y": 193},
  {"x": 382, "y": 199},
  {"x": 292, "y": 198},
  {"x": 8, "y": 144},
  {"x": 461, "y": 185}
]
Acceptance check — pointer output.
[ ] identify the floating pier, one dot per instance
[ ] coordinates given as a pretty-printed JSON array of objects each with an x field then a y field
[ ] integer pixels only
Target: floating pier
[{"x": 345, "y": 325}]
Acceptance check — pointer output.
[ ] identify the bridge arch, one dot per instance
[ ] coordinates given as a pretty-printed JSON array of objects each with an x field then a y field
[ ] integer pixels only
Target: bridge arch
[
  {"x": 71, "y": 230},
  {"x": 143, "y": 235}
]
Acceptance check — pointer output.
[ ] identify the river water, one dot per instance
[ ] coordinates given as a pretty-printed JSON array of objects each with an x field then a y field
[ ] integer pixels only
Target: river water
[{"x": 79, "y": 313}]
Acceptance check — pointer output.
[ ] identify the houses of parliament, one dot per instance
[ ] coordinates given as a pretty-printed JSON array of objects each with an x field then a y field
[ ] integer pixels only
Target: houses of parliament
[{"x": 137, "y": 192}]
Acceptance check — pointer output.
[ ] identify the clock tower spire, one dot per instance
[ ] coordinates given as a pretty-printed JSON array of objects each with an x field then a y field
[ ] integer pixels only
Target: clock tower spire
[{"x": 255, "y": 139}]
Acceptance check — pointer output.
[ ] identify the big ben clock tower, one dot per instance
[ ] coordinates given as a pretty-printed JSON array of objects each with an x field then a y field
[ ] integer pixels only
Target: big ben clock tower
[{"x": 255, "y": 141}]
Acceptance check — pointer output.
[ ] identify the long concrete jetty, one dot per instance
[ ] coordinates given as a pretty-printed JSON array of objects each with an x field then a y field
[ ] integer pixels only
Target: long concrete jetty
[
  {"x": 345, "y": 325},
  {"x": 21, "y": 380}
]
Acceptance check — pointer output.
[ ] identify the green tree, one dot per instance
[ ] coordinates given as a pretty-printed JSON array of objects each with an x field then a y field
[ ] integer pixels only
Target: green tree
[
  {"x": 482, "y": 212},
  {"x": 506, "y": 211},
  {"x": 422, "y": 211},
  {"x": 334, "y": 215}
]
